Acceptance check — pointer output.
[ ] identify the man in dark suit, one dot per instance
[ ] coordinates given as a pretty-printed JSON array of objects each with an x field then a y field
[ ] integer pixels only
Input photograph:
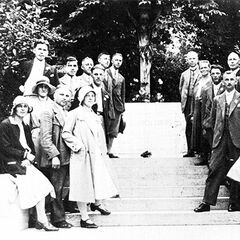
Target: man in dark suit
[
  {"x": 33, "y": 69},
  {"x": 102, "y": 96},
  {"x": 23, "y": 76},
  {"x": 226, "y": 143},
  {"x": 115, "y": 85},
  {"x": 214, "y": 88},
  {"x": 54, "y": 162},
  {"x": 187, "y": 82}
]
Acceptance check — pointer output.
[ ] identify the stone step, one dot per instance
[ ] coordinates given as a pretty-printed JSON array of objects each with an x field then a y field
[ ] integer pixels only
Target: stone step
[
  {"x": 126, "y": 172},
  {"x": 161, "y": 218},
  {"x": 168, "y": 191},
  {"x": 157, "y": 180},
  {"x": 154, "y": 162},
  {"x": 160, "y": 204}
]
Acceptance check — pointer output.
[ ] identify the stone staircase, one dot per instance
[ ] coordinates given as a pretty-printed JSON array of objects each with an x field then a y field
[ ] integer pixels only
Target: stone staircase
[{"x": 165, "y": 188}]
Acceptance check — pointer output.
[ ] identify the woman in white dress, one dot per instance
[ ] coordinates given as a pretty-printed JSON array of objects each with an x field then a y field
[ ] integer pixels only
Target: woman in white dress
[
  {"x": 17, "y": 154},
  {"x": 90, "y": 178}
]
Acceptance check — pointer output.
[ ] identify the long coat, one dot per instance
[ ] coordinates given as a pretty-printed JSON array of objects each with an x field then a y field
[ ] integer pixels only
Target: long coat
[
  {"x": 52, "y": 143},
  {"x": 80, "y": 130},
  {"x": 218, "y": 118}
]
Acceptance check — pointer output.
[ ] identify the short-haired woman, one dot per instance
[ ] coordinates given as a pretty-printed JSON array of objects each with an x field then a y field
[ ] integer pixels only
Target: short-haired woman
[{"x": 17, "y": 154}]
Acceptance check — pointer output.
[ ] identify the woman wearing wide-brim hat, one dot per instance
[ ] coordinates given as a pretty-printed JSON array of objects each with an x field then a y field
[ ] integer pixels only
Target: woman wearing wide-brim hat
[
  {"x": 90, "y": 178},
  {"x": 39, "y": 102},
  {"x": 17, "y": 153}
]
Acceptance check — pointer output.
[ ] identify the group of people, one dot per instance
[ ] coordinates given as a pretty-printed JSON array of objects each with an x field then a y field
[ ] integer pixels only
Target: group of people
[
  {"x": 60, "y": 134},
  {"x": 210, "y": 102}
]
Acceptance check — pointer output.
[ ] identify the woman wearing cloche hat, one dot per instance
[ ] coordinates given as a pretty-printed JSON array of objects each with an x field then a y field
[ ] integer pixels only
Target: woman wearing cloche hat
[
  {"x": 39, "y": 102},
  {"x": 17, "y": 153},
  {"x": 90, "y": 179}
]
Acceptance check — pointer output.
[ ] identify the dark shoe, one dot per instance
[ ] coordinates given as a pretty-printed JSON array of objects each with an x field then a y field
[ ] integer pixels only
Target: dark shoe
[
  {"x": 47, "y": 226},
  {"x": 88, "y": 224},
  {"x": 111, "y": 155},
  {"x": 72, "y": 210},
  {"x": 62, "y": 224},
  {"x": 116, "y": 196},
  {"x": 201, "y": 164},
  {"x": 233, "y": 207},
  {"x": 189, "y": 154},
  {"x": 103, "y": 211},
  {"x": 146, "y": 154},
  {"x": 203, "y": 207}
]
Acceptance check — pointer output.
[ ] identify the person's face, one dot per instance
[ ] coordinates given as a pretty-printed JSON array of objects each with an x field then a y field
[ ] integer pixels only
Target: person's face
[
  {"x": 89, "y": 99},
  {"x": 216, "y": 75},
  {"x": 117, "y": 61},
  {"x": 87, "y": 66},
  {"x": 98, "y": 76},
  {"x": 71, "y": 68},
  {"x": 233, "y": 61},
  {"x": 43, "y": 90},
  {"x": 229, "y": 81},
  {"x": 104, "y": 60},
  {"x": 204, "y": 68},
  {"x": 21, "y": 110},
  {"x": 41, "y": 51},
  {"x": 62, "y": 96},
  {"x": 192, "y": 59}
]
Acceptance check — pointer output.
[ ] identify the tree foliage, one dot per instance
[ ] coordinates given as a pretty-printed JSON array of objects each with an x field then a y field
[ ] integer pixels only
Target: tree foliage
[{"x": 87, "y": 27}]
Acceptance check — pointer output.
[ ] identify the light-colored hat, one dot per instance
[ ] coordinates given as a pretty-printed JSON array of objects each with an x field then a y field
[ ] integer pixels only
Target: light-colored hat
[
  {"x": 20, "y": 100},
  {"x": 43, "y": 80},
  {"x": 83, "y": 92}
]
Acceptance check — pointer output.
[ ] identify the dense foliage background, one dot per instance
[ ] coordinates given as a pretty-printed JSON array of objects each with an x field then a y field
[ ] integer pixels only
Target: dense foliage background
[{"x": 87, "y": 27}]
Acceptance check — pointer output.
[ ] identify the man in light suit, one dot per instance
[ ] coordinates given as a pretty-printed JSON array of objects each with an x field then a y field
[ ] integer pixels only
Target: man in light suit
[
  {"x": 187, "y": 82},
  {"x": 226, "y": 143},
  {"x": 54, "y": 162},
  {"x": 216, "y": 87},
  {"x": 115, "y": 85}
]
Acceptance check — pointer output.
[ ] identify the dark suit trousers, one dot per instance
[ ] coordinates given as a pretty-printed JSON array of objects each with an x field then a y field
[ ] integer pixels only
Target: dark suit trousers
[
  {"x": 219, "y": 166},
  {"x": 57, "y": 177},
  {"x": 188, "y": 129}
]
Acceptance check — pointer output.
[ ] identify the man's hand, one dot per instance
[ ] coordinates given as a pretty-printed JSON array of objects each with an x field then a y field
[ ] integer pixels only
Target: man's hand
[{"x": 55, "y": 163}]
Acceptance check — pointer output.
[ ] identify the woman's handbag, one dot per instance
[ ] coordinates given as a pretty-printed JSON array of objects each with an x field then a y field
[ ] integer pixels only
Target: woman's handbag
[{"x": 122, "y": 125}]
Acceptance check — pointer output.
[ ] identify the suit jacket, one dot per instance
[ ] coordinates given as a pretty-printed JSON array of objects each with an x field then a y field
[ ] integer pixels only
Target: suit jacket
[
  {"x": 117, "y": 88},
  {"x": 52, "y": 144},
  {"x": 218, "y": 118},
  {"x": 49, "y": 71},
  {"x": 184, "y": 86},
  {"x": 207, "y": 100}
]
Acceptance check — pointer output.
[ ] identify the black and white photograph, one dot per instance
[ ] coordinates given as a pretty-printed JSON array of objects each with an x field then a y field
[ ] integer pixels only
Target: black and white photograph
[{"x": 120, "y": 119}]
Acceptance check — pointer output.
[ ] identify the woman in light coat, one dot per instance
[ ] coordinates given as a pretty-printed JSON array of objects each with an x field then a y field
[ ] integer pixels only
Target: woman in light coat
[{"x": 90, "y": 179}]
